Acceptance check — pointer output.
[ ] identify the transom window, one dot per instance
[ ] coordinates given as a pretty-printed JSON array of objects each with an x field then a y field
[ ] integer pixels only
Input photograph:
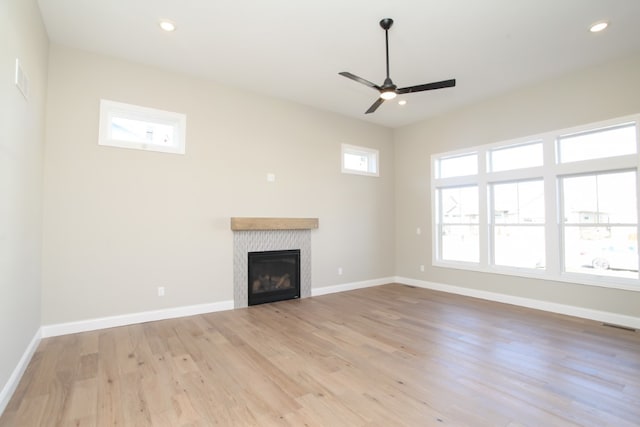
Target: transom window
[
  {"x": 132, "y": 126},
  {"x": 359, "y": 160},
  {"x": 561, "y": 206},
  {"x": 464, "y": 165},
  {"x": 516, "y": 157}
]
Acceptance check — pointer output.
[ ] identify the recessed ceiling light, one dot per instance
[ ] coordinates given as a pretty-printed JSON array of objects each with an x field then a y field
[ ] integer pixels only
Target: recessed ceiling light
[
  {"x": 167, "y": 25},
  {"x": 402, "y": 102},
  {"x": 598, "y": 26}
]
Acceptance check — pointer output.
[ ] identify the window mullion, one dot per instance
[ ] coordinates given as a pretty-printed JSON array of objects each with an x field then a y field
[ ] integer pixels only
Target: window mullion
[
  {"x": 553, "y": 211},
  {"x": 483, "y": 209}
]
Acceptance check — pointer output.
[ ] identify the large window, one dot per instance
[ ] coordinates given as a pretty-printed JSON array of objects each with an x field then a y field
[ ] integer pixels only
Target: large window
[{"x": 561, "y": 206}]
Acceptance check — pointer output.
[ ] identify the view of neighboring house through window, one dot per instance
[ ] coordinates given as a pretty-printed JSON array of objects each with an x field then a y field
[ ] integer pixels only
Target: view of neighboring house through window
[
  {"x": 561, "y": 206},
  {"x": 518, "y": 224},
  {"x": 458, "y": 224},
  {"x": 600, "y": 224}
]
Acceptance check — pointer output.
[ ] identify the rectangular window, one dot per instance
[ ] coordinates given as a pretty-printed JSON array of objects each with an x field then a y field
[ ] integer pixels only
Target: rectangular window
[
  {"x": 458, "y": 224},
  {"x": 516, "y": 157},
  {"x": 457, "y": 166},
  {"x": 598, "y": 144},
  {"x": 600, "y": 224},
  {"x": 131, "y": 126},
  {"x": 561, "y": 206},
  {"x": 359, "y": 160},
  {"x": 518, "y": 224}
]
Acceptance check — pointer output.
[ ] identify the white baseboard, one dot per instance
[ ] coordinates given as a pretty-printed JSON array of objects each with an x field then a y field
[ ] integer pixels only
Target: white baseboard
[
  {"x": 130, "y": 319},
  {"x": 569, "y": 310},
  {"x": 11, "y": 385},
  {"x": 350, "y": 286},
  {"x": 171, "y": 313}
]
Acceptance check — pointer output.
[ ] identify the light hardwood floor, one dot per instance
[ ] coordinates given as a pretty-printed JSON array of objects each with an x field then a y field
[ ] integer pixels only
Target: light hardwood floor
[{"x": 391, "y": 355}]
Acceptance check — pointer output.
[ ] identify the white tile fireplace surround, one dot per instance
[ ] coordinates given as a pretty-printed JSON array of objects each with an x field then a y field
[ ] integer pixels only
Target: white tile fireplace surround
[{"x": 269, "y": 234}]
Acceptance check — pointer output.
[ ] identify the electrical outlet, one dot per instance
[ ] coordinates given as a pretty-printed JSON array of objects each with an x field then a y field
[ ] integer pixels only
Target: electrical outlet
[
  {"x": 422, "y": 268},
  {"x": 418, "y": 231},
  {"x": 339, "y": 271},
  {"x": 160, "y": 291}
]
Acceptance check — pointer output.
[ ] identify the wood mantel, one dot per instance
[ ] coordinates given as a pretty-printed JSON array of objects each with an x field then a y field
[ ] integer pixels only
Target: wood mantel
[{"x": 245, "y": 224}]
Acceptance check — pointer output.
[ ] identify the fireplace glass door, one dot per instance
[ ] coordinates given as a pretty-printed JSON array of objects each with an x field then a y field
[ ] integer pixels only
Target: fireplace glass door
[{"x": 273, "y": 276}]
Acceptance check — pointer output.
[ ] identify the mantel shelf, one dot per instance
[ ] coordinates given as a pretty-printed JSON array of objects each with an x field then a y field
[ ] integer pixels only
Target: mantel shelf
[{"x": 246, "y": 224}]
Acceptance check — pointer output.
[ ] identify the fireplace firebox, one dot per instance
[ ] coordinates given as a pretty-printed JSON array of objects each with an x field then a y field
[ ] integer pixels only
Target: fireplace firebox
[{"x": 273, "y": 276}]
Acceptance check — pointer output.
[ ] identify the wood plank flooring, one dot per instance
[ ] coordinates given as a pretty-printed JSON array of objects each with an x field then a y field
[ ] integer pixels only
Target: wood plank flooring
[{"x": 391, "y": 355}]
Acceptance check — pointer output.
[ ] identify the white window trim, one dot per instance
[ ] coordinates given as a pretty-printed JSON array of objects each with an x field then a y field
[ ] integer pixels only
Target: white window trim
[
  {"x": 109, "y": 109},
  {"x": 550, "y": 173},
  {"x": 371, "y": 153}
]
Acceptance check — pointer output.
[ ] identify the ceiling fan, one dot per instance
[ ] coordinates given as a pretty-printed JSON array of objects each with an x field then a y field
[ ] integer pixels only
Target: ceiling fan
[{"x": 388, "y": 90}]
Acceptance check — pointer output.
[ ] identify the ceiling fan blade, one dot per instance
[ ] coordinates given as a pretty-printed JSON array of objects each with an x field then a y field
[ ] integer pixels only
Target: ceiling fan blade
[
  {"x": 359, "y": 80},
  {"x": 374, "y": 106},
  {"x": 428, "y": 86}
]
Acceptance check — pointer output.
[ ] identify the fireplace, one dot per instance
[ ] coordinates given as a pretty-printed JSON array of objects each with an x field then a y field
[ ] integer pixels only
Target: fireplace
[
  {"x": 252, "y": 234},
  {"x": 273, "y": 276}
]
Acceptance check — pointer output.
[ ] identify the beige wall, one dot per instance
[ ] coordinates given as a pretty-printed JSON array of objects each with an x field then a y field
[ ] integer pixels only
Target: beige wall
[
  {"x": 600, "y": 93},
  {"x": 22, "y": 36},
  {"x": 118, "y": 222}
]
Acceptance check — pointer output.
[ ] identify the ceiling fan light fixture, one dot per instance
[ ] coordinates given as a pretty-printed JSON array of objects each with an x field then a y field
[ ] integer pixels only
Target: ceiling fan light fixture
[{"x": 388, "y": 94}]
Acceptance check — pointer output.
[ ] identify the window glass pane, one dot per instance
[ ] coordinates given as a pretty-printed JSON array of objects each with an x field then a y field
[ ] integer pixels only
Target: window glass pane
[
  {"x": 458, "y": 166},
  {"x": 460, "y": 205},
  {"x": 359, "y": 160},
  {"x": 519, "y": 202},
  {"x": 608, "y": 142},
  {"x": 602, "y": 251},
  {"x": 141, "y": 128},
  {"x": 356, "y": 162},
  {"x": 519, "y": 246},
  {"x": 519, "y": 157},
  {"x": 600, "y": 199},
  {"x": 142, "y": 131},
  {"x": 460, "y": 243}
]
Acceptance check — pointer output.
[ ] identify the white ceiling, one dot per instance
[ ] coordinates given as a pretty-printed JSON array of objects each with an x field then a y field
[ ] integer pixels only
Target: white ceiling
[{"x": 294, "y": 49}]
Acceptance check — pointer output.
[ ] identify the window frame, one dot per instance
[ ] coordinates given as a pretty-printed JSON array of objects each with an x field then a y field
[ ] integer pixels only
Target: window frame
[
  {"x": 551, "y": 173},
  {"x": 110, "y": 109}
]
